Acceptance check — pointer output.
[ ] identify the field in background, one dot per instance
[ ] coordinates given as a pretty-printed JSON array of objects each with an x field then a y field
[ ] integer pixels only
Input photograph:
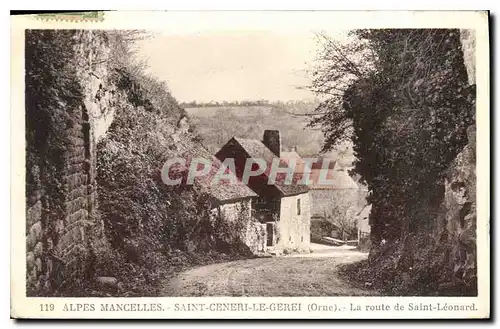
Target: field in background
[{"x": 218, "y": 124}]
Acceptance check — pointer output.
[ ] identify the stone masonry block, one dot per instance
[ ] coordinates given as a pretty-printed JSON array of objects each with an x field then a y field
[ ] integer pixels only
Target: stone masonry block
[
  {"x": 38, "y": 249},
  {"x": 38, "y": 263},
  {"x": 31, "y": 240},
  {"x": 75, "y": 140},
  {"x": 49, "y": 267},
  {"x": 47, "y": 286},
  {"x": 64, "y": 241},
  {"x": 77, "y": 192},
  {"x": 30, "y": 260},
  {"x": 33, "y": 275},
  {"x": 75, "y": 159},
  {"x": 69, "y": 240},
  {"x": 35, "y": 234},
  {"x": 76, "y": 234},
  {"x": 34, "y": 214},
  {"x": 37, "y": 229},
  {"x": 77, "y": 150},
  {"x": 80, "y": 215},
  {"x": 82, "y": 233},
  {"x": 59, "y": 227},
  {"x": 75, "y": 205},
  {"x": 74, "y": 168},
  {"x": 76, "y": 180}
]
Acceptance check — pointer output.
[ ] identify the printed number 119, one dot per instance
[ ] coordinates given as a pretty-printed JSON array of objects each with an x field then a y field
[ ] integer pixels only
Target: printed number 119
[{"x": 46, "y": 307}]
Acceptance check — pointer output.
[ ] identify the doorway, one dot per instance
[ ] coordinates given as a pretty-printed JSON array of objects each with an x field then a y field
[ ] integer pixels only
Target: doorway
[{"x": 270, "y": 233}]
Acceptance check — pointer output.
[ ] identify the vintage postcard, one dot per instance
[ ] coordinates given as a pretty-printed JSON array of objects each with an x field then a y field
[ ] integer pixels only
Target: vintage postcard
[{"x": 272, "y": 164}]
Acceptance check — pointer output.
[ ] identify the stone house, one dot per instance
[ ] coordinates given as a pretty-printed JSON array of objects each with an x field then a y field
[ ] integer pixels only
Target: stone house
[
  {"x": 283, "y": 208},
  {"x": 229, "y": 202},
  {"x": 333, "y": 193}
]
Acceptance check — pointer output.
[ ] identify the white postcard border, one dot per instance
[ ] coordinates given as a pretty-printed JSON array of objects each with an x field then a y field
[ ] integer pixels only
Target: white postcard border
[{"x": 282, "y": 22}]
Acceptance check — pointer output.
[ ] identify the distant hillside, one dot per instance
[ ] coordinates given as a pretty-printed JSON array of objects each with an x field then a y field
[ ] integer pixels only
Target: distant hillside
[{"x": 217, "y": 125}]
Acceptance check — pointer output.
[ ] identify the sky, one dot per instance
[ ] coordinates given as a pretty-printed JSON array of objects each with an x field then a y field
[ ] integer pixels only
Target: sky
[{"x": 235, "y": 65}]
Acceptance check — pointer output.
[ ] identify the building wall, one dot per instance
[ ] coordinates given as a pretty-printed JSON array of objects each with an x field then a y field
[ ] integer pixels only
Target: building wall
[
  {"x": 364, "y": 220},
  {"x": 363, "y": 225},
  {"x": 247, "y": 229},
  {"x": 294, "y": 228},
  {"x": 239, "y": 210}
]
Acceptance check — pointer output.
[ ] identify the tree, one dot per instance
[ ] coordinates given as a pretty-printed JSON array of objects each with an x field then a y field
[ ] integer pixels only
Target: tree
[
  {"x": 402, "y": 97},
  {"x": 344, "y": 221}
]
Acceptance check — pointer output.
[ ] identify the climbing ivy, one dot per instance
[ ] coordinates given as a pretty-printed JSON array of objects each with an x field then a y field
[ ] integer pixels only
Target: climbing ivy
[{"x": 407, "y": 116}]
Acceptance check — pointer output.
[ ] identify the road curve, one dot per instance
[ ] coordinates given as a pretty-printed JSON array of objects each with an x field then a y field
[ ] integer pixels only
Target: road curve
[{"x": 312, "y": 274}]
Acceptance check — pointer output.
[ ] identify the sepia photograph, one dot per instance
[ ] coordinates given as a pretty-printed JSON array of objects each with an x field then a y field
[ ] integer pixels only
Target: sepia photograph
[{"x": 334, "y": 162}]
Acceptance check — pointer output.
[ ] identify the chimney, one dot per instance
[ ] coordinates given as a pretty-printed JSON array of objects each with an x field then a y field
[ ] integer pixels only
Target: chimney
[{"x": 272, "y": 140}]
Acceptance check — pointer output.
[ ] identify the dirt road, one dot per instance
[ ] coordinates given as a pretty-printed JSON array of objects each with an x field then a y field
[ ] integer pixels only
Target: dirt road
[{"x": 296, "y": 275}]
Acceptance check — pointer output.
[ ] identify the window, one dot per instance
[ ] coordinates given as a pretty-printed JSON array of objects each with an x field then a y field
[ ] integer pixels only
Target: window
[{"x": 298, "y": 206}]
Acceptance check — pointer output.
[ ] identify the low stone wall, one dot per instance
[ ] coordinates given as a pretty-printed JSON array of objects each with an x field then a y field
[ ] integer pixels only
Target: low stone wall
[
  {"x": 236, "y": 211},
  {"x": 255, "y": 237},
  {"x": 238, "y": 214}
]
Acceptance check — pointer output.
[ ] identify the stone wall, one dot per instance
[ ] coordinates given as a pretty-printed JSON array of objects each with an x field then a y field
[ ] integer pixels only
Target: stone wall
[
  {"x": 56, "y": 243},
  {"x": 294, "y": 227},
  {"x": 252, "y": 233},
  {"x": 255, "y": 237},
  {"x": 61, "y": 196},
  {"x": 236, "y": 211},
  {"x": 36, "y": 278}
]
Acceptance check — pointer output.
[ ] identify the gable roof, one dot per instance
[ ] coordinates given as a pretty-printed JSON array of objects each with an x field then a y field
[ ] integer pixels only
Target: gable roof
[
  {"x": 257, "y": 150},
  {"x": 224, "y": 190},
  {"x": 340, "y": 178}
]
